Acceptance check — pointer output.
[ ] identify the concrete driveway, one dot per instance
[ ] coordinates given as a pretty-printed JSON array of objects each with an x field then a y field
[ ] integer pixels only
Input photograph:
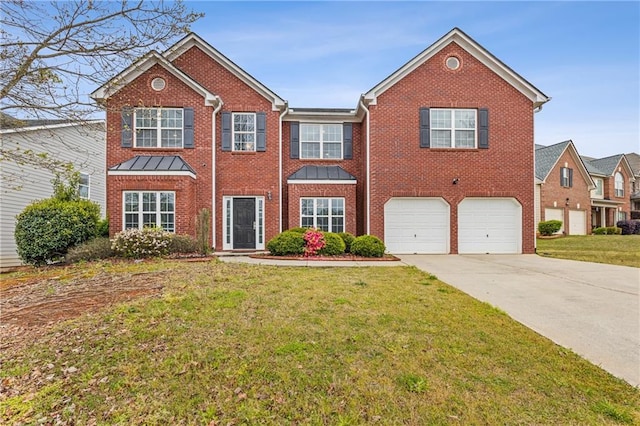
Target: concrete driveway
[{"x": 590, "y": 308}]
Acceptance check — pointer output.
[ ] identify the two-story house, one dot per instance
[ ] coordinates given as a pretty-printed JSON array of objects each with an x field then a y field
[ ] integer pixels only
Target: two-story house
[
  {"x": 436, "y": 158},
  {"x": 634, "y": 161}
]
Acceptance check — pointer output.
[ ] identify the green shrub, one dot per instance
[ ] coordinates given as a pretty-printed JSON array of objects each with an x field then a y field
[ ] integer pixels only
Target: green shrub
[
  {"x": 183, "y": 244},
  {"x": 599, "y": 231},
  {"x": 609, "y": 230},
  {"x": 299, "y": 229},
  {"x": 139, "y": 243},
  {"x": 549, "y": 227},
  {"x": 47, "y": 229},
  {"x": 367, "y": 246},
  {"x": 286, "y": 243},
  {"x": 348, "y": 239},
  {"x": 333, "y": 245},
  {"x": 103, "y": 228},
  {"x": 95, "y": 249}
]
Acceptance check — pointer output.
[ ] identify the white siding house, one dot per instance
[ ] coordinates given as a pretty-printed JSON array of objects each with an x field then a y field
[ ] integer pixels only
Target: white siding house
[{"x": 82, "y": 144}]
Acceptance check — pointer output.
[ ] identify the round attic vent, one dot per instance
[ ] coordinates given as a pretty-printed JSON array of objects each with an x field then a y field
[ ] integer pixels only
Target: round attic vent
[
  {"x": 453, "y": 63},
  {"x": 158, "y": 84}
]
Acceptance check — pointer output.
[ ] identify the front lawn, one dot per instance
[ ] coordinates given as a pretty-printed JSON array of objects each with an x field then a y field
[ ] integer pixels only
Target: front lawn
[
  {"x": 612, "y": 249},
  {"x": 244, "y": 344}
]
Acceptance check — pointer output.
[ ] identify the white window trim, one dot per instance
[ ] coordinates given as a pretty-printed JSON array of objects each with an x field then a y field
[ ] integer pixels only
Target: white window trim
[
  {"x": 227, "y": 222},
  {"x": 159, "y": 128},
  {"x": 453, "y": 128},
  {"x": 565, "y": 182},
  {"x": 618, "y": 189},
  {"x": 140, "y": 212},
  {"x": 88, "y": 185},
  {"x": 330, "y": 216},
  {"x": 322, "y": 141},
  {"x": 598, "y": 191},
  {"x": 233, "y": 131}
]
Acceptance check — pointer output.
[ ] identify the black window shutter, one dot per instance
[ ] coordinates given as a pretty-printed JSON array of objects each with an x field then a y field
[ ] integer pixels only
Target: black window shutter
[
  {"x": 347, "y": 135},
  {"x": 261, "y": 126},
  {"x": 425, "y": 125},
  {"x": 127, "y": 128},
  {"x": 226, "y": 131},
  {"x": 570, "y": 178},
  {"x": 294, "y": 145},
  {"x": 483, "y": 128},
  {"x": 188, "y": 128}
]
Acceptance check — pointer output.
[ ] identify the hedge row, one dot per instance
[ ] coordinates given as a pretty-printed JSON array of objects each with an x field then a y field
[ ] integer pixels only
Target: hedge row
[{"x": 292, "y": 243}]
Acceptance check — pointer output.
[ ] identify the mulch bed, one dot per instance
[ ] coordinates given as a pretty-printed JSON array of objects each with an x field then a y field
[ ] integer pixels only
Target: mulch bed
[{"x": 343, "y": 257}]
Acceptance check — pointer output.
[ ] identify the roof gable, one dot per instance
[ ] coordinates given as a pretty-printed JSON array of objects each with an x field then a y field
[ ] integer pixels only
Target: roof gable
[
  {"x": 547, "y": 158},
  {"x": 143, "y": 65},
  {"x": 193, "y": 40},
  {"x": 473, "y": 48},
  {"x": 609, "y": 165}
]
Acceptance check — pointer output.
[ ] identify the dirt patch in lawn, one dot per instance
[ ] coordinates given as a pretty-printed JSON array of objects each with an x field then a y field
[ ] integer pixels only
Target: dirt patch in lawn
[{"x": 31, "y": 305}]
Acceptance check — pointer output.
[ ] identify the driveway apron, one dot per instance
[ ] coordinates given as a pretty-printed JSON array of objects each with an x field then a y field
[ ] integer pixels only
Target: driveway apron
[{"x": 590, "y": 308}]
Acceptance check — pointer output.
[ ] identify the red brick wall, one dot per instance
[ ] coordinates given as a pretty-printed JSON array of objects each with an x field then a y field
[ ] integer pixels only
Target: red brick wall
[
  {"x": 610, "y": 193},
  {"x": 399, "y": 167},
  {"x": 579, "y": 195},
  {"x": 354, "y": 166},
  {"x": 348, "y": 192}
]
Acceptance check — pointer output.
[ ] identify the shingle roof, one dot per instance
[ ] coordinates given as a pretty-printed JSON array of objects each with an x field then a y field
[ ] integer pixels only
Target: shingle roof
[
  {"x": 606, "y": 165},
  {"x": 322, "y": 173},
  {"x": 154, "y": 163},
  {"x": 592, "y": 169},
  {"x": 547, "y": 156},
  {"x": 634, "y": 161}
]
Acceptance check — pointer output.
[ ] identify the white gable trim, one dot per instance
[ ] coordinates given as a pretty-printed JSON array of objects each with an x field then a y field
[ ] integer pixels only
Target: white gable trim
[
  {"x": 456, "y": 35},
  {"x": 143, "y": 65},
  {"x": 192, "y": 40},
  {"x": 50, "y": 126}
]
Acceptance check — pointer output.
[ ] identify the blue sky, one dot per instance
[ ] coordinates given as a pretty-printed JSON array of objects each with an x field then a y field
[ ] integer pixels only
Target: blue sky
[{"x": 585, "y": 55}]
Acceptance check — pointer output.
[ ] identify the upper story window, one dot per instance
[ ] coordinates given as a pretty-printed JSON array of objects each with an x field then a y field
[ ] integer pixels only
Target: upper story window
[
  {"x": 619, "y": 184},
  {"x": 321, "y": 141},
  {"x": 453, "y": 128},
  {"x": 598, "y": 191},
  {"x": 83, "y": 186},
  {"x": 244, "y": 131},
  {"x": 566, "y": 177},
  {"x": 158, "y": 128}
]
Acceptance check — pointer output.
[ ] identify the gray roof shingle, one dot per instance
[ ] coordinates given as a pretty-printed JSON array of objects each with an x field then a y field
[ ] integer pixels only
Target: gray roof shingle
[
  {"x": 154, "y": 163},
  {"x": 547, "y": 156},
  {"x": 606, "y": 165},
  {"x": 322, "y": 173}
]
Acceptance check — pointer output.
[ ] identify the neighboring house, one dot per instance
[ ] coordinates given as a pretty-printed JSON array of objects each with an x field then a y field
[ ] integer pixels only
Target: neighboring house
[
  {"x": 436, "y": 158},
  {"x": 634, "y": 161},
  {"x": 563, "y": 187},
  {"x": 82, "y": 144},
  {"x": 610, "y": 199}
]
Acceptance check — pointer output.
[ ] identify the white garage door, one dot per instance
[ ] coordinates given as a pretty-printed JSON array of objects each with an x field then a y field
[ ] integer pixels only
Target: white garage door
[
  {"x": 577, "y": 222},
  {"x": 489, "y": 225},
  {"x": 416, "y": 225},
  {"x": 555, "y": 214}
]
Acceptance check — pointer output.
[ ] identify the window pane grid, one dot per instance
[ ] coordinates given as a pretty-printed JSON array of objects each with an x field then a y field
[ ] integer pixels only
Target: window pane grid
[
  {"x": 155, "y": 209},
  {"x": 159, "y": 127},
  {"x": 453, "y": 128},
  {"x": 321, "y": 141},
  {"x": 325, "y": 214},
  {"x": 244, "y": 132}
]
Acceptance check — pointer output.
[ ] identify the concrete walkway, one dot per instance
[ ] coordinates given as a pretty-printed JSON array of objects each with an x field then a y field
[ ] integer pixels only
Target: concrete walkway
[{"x": 590, "y": 308}]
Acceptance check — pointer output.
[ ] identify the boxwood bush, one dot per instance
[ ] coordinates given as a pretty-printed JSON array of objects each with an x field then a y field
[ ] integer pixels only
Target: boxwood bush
[
  {"x": 368, "y": 246},
  {"x": 95, "y": 249},
  {"x": 47, "y": 229},
  {"x": 333, "y": 245},
  {"x": 608, "y": 230},
  {"x": 287, "y": 243},
  {"x": 549, "y": 227},
  {"x": 348, "y": 239},
  {"x": 183, "y": 244}
]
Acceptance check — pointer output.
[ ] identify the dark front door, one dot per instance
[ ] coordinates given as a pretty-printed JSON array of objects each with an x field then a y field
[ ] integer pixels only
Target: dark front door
[{"x": 244, "y": 223}]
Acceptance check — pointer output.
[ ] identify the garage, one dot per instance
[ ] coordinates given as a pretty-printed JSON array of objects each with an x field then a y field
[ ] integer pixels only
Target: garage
[
  {"x": 577, "y": 222},
  {"x": 489, "y": 225},
  {"x": 416, "y": 225},
  {"x": 555, "y": 214}
]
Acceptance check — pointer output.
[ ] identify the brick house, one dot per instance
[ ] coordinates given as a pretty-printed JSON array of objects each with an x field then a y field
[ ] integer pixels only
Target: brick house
[
  {"x": 611, "y": 197},
  {"x": 436, "y": 158},
  {"x": 563, "y": 187}
]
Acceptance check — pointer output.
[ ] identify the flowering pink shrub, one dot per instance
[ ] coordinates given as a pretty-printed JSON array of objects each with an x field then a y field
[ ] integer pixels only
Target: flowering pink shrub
[{"x": 314, "y": 242}]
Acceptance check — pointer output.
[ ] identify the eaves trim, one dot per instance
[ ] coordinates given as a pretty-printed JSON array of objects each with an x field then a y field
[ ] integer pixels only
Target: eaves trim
[{"x": 150, "y": 173}]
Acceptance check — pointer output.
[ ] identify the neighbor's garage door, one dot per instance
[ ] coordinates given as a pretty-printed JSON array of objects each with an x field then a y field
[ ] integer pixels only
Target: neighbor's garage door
[
  {"x": 555, "y": 214},
  {"x": 489, "y": 225},
  {"x": 577, "y": 222},
  {"x": 416, "y": 225}
]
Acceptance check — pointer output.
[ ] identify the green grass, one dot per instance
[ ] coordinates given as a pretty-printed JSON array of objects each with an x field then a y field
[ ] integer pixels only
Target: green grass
[
  {"x": 612, "y": 249},
  {"x": 243, "y": 344}
]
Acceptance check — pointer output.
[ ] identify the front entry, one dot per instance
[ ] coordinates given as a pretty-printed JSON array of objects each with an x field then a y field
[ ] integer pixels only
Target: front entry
[{"x": 244, "y": 223}]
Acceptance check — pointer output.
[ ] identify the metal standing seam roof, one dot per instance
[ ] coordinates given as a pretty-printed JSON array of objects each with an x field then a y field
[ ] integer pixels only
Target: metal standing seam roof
[
  {"x": 154, "y": 163},
  {"x": 547, "y": 156},
  {"x": 322, "y": 173}
]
